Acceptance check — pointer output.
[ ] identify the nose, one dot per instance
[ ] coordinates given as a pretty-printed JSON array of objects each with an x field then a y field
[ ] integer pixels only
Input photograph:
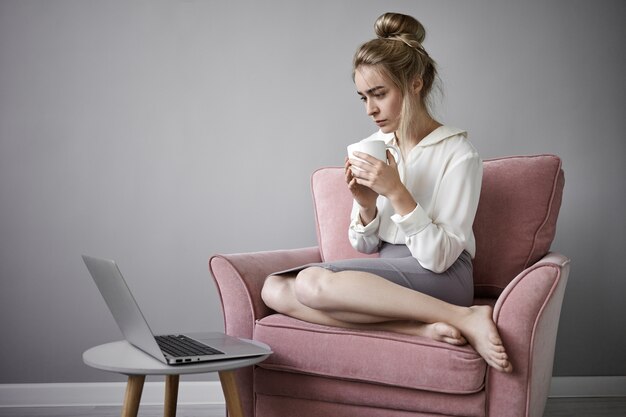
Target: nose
[{"x": 371, "y": 108}]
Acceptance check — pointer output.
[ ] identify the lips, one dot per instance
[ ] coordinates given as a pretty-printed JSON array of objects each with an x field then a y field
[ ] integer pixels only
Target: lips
[{"x": 380, "y": 122}]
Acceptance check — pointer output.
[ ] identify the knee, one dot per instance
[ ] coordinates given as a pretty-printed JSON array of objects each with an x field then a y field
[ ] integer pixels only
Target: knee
[
  {"x": 312, "y": 287},
  {"x": 275, "y": 291}
]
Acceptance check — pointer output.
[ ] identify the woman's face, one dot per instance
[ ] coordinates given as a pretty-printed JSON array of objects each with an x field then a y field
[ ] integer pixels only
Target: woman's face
[{"x": 383, "y": 100}]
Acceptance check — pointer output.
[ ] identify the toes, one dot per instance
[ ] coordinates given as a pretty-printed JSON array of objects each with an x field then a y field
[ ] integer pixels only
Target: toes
[
  {"x": 501, "y": 365},
  {"x": 498, "y": 349},
  {"x": 450, "y": 341},
  {"x": 455, "y": 341},
  {"x": 498, "y": 354},
  {"x": 505, "y": 366},
  {"x": 497, "y": 365}
]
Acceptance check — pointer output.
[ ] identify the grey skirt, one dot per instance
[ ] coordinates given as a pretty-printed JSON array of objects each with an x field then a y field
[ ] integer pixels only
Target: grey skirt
[{"x": 396, "y": 264}]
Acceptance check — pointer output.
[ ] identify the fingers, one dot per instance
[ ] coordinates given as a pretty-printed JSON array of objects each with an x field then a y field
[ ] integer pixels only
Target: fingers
[
  {"x": 366, "y": 161},
  {"x": 370, "y": 172},
  {"x": 349, "y": 173},
  {"x": 365, "y": 173},
  {"x": 351, "y": 187},
  {"x": 365, "y": 157},
  {"x": 365, "y": 164}
]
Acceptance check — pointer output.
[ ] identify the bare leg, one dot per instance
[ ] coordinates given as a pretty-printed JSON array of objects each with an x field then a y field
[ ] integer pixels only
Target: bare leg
[
  {"x": 363, "y": 300},
  {"x": 279, "y": 294}
]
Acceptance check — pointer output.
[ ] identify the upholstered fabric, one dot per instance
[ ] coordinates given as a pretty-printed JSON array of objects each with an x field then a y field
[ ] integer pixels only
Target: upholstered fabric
[
  {"x": 527, "y": 315},
  {"x": 516, "y": 218},
  {"x": 332, "y": 203},
  {"x": 377, "y": 357},
  {"x": 239, "y": 279},
  {"x": 322, "y": 371},
  {"x": 514, "y": 226},
  {"x": 320, "y": 396}
]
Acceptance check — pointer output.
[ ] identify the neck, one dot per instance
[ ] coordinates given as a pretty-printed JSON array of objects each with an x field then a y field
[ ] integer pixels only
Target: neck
[{"x": 424, "y": 125}]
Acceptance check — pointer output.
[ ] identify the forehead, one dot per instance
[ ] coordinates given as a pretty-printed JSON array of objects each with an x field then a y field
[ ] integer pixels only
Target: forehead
[{"x": 368, "y": 77}]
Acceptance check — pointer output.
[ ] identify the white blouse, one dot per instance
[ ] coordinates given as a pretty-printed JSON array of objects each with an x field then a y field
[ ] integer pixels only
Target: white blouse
[{"x": 443, "y": 173}]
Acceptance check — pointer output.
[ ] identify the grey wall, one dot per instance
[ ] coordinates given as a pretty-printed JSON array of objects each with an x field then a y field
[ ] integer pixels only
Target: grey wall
[{"x": 159, "y": 133}]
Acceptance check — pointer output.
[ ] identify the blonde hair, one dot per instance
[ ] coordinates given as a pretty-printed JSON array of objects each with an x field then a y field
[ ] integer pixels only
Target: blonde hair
[{"x": 398, "y": 54}]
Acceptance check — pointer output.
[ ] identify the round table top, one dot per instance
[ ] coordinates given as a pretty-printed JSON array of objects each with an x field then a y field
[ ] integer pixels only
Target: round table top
[{"x": 124, "y": 358}]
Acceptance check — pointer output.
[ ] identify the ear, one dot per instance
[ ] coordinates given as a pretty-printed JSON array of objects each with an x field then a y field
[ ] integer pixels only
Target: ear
[{"x": 417, "y": 85}]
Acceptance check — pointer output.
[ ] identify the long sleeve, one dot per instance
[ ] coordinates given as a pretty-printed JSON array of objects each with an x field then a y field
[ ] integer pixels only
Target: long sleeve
[
  {"x": 363, "y": 238},
  {"x": 437, "y": 237},
  {"x": 443, "y": 173}
]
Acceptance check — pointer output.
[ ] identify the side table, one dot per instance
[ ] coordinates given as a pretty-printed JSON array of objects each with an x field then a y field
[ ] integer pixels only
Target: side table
[{"x": 124, "y": 358}]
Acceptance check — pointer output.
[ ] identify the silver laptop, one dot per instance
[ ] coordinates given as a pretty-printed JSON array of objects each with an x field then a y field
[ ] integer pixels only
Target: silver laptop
[{"x": 175, "y": 349}]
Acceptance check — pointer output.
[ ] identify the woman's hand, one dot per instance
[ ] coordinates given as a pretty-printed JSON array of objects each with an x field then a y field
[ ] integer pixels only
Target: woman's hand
[
  {"x": 377, "y": 175},
  {"x": 364, "y": 196},
  {"x": 381, "y": 179}
]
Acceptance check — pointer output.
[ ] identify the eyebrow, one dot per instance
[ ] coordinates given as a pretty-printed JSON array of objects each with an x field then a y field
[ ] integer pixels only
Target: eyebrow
[{"x": 371, "y": 90}]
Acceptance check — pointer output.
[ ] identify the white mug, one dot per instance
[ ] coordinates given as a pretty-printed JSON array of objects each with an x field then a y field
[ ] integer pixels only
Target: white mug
[{"x": 375, "y": 148}]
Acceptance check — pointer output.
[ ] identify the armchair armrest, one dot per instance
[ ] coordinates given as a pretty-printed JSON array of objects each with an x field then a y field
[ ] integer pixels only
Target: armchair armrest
[
  {"x": 240, "y": 277},
  {"x": 527, "y": 315}
]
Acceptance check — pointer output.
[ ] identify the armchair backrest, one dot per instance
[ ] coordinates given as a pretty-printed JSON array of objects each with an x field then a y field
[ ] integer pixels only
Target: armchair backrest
[{"x": 514, "y": 227}]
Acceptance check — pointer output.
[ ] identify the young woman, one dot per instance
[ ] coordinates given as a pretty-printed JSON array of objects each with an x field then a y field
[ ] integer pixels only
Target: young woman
[{"x": 417, "y": 212}]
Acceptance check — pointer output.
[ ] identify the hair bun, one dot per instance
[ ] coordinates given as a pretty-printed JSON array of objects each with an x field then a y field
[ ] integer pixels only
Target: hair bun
[{"x": 399, "y": 25}]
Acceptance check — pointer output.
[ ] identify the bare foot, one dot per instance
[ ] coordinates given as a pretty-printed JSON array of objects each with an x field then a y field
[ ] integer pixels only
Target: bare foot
[
  {"x": 442, "y": 332},
  {"x": 481, "y": 332}
]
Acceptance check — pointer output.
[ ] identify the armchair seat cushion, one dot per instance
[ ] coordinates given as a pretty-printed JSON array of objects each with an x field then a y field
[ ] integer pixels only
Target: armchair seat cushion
[{"x": 369, "y": 356}]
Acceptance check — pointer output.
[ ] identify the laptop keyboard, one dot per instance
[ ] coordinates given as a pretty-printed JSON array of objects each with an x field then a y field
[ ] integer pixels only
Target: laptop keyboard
[{"x": 179, "y": 345}]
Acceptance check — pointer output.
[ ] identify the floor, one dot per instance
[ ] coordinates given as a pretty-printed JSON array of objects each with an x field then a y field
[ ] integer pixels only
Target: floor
[
  {"x": 586, "y": 407},
  {"x": 110, "y": 411},
  {"x": 556, "y": 407}
]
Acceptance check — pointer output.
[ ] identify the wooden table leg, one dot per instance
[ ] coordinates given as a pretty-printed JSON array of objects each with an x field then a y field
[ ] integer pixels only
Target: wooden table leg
[
  {"x": 134, "y": 387},
  {"x": 171, "y": 395},
  {"x": 233, "y": 404}
]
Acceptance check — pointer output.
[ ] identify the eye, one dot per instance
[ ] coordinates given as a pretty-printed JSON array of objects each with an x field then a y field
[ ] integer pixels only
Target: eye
[{"x": 363, "y": 98}]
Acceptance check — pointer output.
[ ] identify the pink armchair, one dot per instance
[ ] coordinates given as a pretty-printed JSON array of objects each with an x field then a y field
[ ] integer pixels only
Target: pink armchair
[{"x": 325, "y": 371}]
